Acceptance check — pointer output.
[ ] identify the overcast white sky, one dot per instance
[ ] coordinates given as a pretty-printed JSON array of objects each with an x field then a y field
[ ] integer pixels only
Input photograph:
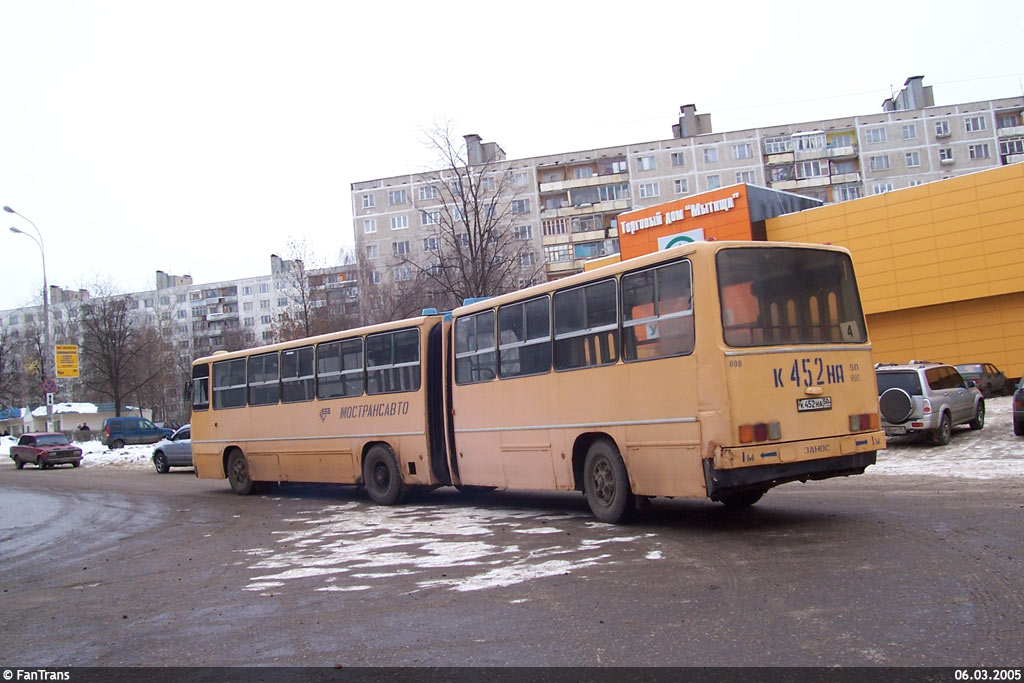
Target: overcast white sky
[{"x": 200, "y": 137}]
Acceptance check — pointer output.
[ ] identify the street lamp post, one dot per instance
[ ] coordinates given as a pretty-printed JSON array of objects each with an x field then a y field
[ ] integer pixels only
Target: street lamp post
[{"x": 46, "y": 305}]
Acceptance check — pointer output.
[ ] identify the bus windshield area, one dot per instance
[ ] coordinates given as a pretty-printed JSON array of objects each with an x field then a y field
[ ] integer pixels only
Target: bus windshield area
[{"x": 782, "y": 295}]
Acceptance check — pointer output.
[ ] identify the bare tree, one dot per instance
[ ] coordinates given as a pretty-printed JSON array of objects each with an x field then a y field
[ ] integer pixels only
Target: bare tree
[
  {"x": 115, "y": 349},
  {"x": 11, "y": 385},
  {"x": 474, "y": 248},
  {"x": 315, "y": 303},
  {"x": 383, "y": 299}
]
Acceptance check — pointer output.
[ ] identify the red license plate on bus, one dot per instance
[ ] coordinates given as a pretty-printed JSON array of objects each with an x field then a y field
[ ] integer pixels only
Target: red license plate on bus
[{"x": 816, "y": 403}]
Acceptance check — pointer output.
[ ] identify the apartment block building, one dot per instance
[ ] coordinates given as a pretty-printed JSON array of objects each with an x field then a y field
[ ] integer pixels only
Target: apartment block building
[
  {"x": 203, "y": 318},
  {"x": 567, "y": 203}
]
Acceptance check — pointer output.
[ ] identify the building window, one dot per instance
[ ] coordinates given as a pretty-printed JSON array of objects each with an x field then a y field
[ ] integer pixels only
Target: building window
[
  {"x": 430, "y": 217},
  {"x": 645, "y": 163},
  {"x": 881, "y": 188},
  {"x": 400, "y": 248},
  {"x": 648, "y": 190},
  {"x": 247, "y": 290},
  {"x": 713, "y": 182},
  {"x": 681, "y": 186},
  {"x": 1012, "y": 146},
  {"x": 428, "y": 192},
  {"x": 487, "y": 183},
  {"x": 265, "y": 319},
  {"x": 527, "y": 259},
  {"x": 610, "y": 193},
  {"x": 974, "y": 124},
  {"x": 942, "y": 129},
  {"x": 557, "y": 254},
  {"x": 264, "y": 304},
  {"x": 431, "y": 244},
  {"x": 247, "y": 306},
  {"x": 375, "y": 277},
  {"x": 844, "y": 193},
  {"x": 583, "y": 172},
  {"x": 282, "y": 301},
  {"x": 523, "y": 232},
  {"x": 710, "y": 155},
  {"x": 520, "y": 206},
  {"x": 1008, "y": 120},
  {"x": 399, "y": 222},
  {"x": 879, "y": 163},
  {"x": 843, "y": 167},
  {"x": 264, "y": 288},
  {"x": 403, "y": 274},
  {"x": 812, "y": 169},
  {"x": 678, "y": 159},
  {"x": 745, "y": 177},
  {"x": 978, "y": 151},
  {"x": 742, "y": 151},
  {"x": 876, "y": 135},
  {"x": 368, "y": 201},
  {"x": 915, "y": 183},
  {"x": 520, "y": 178},
  {"x": 946, "y": 155},
  {"x": 913, "y": 159},
  {"x": 777, "y": 145},
  {"x": 371, "y": 251},
  {"x": 369, "y": 225},
  {"x": 910, "y": 131},
  {"x": 396, "y": 197},
  {"x": 843, "y": 140}
]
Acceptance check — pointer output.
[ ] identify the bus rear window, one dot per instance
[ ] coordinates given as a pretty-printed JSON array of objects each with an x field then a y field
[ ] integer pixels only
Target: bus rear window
[{"x": 785, "y": 295}]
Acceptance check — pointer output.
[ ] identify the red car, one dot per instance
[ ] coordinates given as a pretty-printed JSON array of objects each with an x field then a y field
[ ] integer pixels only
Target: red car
[{"x": 44, "y": 450}]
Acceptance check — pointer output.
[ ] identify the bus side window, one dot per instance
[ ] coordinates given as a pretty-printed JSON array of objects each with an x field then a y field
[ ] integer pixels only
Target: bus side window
[
  {"x": 201, "y": 387},
  {"x": 393, "y": 362},
  {"x": 229, "y": 384},
  {"x": 339, "y": 368},
  {"x": 474, "y": 348},
  {"x": 657, "y": 312},
  {"x": 586, "y": 326},
  {"x": 524, "y": 337}
]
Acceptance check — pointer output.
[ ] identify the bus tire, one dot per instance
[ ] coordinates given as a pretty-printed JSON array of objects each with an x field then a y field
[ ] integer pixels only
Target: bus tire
[
  {"x": 606, "y": 483},
  {"x": 238, "y": 475},
  {"x": 743, "y": 499},
  {"x": 382, "y": 476}
]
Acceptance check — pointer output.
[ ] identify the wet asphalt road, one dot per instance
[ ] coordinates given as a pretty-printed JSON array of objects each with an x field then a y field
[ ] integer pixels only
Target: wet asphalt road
[{"x": 108, "y": 566}]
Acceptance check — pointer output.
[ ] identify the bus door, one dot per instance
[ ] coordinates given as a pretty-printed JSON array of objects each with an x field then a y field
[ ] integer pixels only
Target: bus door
[{"x": 435, "y": 395}]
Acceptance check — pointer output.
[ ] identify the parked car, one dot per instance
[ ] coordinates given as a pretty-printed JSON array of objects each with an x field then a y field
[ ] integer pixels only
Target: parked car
[
  {"x": 174, "y": 452},
  {"x": 1018, "y": 409},
  {"x": 990, "y": 379},
  {"x": 122, "y": 431},
  {"x": 44, "y": 450},
  {"x": 169, "y": 424},
  {"x": 927, "y": 399}
]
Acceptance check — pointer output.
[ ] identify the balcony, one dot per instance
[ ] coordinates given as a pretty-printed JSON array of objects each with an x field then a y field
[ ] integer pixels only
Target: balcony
[
  {"x": 582, "y": 209},
  {"x": 609, "y": 179},
  {"x": 563, "y": 267},
  {"x": 838, "y": 178},
  {"x": 783, "y": 158},
  {"x": 840, "y": 152},
  {"x": 1010, "y": 131},
  {"x": 811, "y": 154}
]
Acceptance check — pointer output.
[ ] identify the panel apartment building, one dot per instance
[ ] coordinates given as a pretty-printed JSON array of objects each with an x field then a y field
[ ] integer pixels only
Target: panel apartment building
[{"x": 566, "y": 204}]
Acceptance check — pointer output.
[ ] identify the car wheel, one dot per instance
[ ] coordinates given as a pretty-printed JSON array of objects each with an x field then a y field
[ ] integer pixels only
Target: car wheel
[
  {"x": 382, "y": 476},
  {"x": 116, "y": 443},
  {"x": 606, "y": 483},
  {"x": 19, "y": 463},
  {"x": 76, "y": 463},
  {"x": 979, "y": 418},
  {"x": 1018, "y": 427},
  {"x": 944, "y": 432},
  {"x": 160, "y": 463}
]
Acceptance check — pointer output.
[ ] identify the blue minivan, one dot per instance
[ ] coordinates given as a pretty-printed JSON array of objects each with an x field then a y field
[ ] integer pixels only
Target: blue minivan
[{"x": 122, "y": 431}]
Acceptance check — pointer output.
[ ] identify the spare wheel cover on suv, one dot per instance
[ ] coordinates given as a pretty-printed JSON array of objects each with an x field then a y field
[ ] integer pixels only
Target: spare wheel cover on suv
[{"x": 896, "y": 405}]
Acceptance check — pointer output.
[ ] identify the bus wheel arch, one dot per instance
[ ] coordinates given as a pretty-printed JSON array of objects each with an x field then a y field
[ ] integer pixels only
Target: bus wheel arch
[
  {"x": 236, "y": 469},
  {"x": 382, "y": 474},
  {"x": 603, "y": 478}
]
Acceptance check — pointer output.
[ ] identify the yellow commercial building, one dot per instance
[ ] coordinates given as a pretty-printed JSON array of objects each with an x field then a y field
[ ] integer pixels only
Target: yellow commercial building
[{"x": 940, "y": 266}]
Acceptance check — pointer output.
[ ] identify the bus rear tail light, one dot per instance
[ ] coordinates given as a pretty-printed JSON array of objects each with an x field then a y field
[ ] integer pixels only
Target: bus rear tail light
[
  {"x": 760, "y": 431},
  {"x": 863, "y": 422}
]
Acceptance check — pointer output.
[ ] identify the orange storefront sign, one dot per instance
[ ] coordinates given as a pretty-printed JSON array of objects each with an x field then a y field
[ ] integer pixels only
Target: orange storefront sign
[{"x": 721, "y": 214}]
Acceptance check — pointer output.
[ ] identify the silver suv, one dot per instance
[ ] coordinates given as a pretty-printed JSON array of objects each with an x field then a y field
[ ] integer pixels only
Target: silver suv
[{"x": 928, "y": 399}]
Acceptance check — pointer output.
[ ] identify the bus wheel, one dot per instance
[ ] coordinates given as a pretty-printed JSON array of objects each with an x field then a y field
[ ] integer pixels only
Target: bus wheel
[
  {"x": 743, "y": 499},
  {"x": 238, "y": 474},
  {"x": 382, "y": 476},
  {"x": 606, "y": 483}
]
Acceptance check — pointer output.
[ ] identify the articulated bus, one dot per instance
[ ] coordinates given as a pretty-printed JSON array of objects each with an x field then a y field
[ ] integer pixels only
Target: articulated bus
[{"x": 711, "y": 370}]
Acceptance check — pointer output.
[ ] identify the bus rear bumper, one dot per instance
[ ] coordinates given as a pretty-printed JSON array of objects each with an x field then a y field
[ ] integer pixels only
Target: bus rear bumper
[{"x": 721, "y": 482}]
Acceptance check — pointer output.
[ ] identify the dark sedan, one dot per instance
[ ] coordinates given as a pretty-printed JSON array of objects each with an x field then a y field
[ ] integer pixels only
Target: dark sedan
[{"x": 990, "y": 380}]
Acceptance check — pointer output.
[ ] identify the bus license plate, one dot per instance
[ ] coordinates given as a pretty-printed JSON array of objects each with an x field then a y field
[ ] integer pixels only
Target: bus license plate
[{"x": 817, "y": 403}]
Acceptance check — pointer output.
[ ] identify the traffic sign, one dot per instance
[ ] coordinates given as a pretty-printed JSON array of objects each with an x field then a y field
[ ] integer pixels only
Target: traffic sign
[{"x": 49, "y": 386}]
